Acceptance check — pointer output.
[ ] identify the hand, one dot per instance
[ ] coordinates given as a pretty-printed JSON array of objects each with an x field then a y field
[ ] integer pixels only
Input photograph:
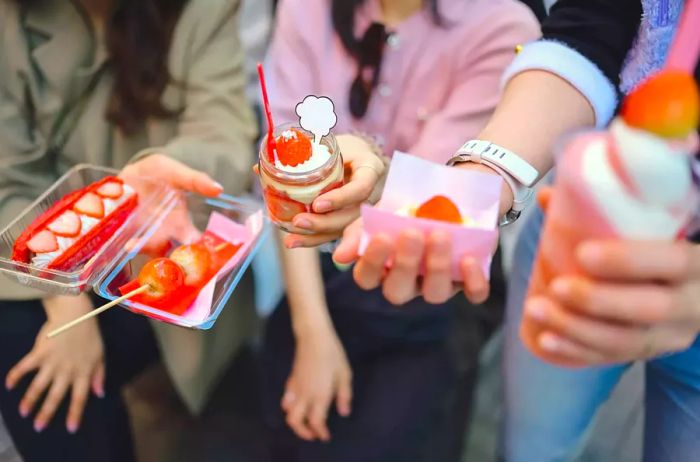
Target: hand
[
  {"x": 634, "y": 300},
  {"x": 394, "y": 264},
  {"x": 320, "y": 374},
  {"x": 336, "y": 209},
  {"x": 162, "y": 169},
  {"x": 72, "y": 361}
]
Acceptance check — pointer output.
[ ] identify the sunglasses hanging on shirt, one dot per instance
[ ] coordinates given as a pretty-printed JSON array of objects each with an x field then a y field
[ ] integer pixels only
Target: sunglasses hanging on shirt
[{"x": 370, "y": 52}]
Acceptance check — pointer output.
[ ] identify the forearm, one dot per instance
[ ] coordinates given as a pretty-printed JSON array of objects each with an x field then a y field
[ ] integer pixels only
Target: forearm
[
  {"x": 536, "y": 109},
  {"x": 307, "y": 303}
]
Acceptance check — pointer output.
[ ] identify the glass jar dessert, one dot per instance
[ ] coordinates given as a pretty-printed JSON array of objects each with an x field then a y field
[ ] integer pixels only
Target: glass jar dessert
[{"x": 299, "y": 172}]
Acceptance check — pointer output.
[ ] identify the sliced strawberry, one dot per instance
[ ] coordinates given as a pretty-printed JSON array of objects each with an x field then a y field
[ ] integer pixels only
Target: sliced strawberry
[
  {"x": 111, "y": 190},
  {"x": 66, "y": 225},
  {"x": 439, "y": 208},
  {"x": 91, "y": 205},
  {"x": 43, "y": 242},
  {"x": 293, "y": 147},
  {"x": 280, "y": 207}
]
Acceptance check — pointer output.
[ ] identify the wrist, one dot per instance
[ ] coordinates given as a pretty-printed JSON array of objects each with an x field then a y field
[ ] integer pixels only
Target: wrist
[
  {"x": 506, "y": 193},
  {"x": 62, "y": 307}
]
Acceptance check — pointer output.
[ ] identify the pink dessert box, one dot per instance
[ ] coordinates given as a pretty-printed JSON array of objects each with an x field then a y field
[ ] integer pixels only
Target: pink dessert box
[{"x": 412, "y": 181}]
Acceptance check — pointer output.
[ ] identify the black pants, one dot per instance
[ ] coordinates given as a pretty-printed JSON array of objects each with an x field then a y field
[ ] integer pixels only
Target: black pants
[
  {"x": 105, "y": 434},
  {"x": 404, "y": 378}
]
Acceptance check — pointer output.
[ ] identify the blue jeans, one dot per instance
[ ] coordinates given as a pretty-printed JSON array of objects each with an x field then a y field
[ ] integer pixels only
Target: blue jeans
[{"x": 549, "y": 409}]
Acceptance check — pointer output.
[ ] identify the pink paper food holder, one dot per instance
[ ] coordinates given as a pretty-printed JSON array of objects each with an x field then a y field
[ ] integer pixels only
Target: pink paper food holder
[{"x": 412, "y": 181}]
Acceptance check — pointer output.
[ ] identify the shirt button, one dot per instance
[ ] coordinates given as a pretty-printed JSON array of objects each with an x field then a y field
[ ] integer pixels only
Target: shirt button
[
  {"x": 393, "y": 41},
  {"x": 384, "y": 90}
]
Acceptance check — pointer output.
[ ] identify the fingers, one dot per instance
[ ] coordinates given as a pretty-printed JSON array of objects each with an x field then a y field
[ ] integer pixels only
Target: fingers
[
  {"x": 347, "y": 250},
  {"x": 37, "y": 388},
  {"x": 610, "y": 339},
  {"x": 437, "y": 283},
  {"x": 97, "y": 383},
  {"x": 400, "y": 284},
  {"x": 318, "y": 416},
  {"x": 296, "y": 419},
  {"x": 476, "y": 286},
  {"x": 353, "y": 193},
  {"x": 51, "y": 402},
  {"x": 79, "y": 397},
  {"x": 343, "y": 400},
  {"x": 333, "y": 222},
  {"x": 27, "y": 364},
  {"x": 369, "y": 270},
  {"x": 570, "y": 351},
  {"x": 634, "y": 304},
  {"x": 630, "y": 261},
  {"x": 297, "y": 241}
]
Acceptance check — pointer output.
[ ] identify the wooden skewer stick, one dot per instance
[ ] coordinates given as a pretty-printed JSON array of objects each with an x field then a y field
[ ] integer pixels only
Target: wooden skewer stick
[
  {"x": 221, "y": 247},
  {"x": 97, "y": 311}
]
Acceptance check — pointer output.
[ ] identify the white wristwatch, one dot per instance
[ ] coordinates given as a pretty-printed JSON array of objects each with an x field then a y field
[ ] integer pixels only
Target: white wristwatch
[{"x": 516, "y": 172}]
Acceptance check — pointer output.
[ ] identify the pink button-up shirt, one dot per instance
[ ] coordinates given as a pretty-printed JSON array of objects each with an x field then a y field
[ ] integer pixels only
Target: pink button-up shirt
[{"x": 438, "y": 84}]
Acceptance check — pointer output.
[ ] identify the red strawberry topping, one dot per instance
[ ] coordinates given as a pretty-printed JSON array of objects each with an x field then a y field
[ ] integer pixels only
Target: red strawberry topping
[
  {"x": 111, "y": 190},
  {"x": 91, "y": 205},
  {"x": 66, "y": 225},
  {"x": 439, "y": 208},
  {"x": 43, "y": 242},
  {"x": 281, "y": 207},
  {"x": 293, "y": 147}
]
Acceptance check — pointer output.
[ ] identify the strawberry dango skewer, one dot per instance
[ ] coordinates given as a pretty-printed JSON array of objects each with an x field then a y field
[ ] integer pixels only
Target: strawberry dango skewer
[{"x": 157, "y": 279}]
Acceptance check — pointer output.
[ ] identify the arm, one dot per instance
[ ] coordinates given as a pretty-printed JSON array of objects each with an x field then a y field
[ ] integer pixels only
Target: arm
[{"x": 216, "y": 128}]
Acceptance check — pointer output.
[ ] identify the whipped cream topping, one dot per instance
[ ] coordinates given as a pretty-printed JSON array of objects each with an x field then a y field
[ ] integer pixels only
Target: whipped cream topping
[
  {"x": 659, "y": 169},
  {"x": 87, "y": 223},
  {"x": 320, "y": 154}
]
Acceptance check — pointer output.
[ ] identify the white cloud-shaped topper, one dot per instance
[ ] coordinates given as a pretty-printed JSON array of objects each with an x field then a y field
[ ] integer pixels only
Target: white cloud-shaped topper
[{"x": 317, "y": 115}]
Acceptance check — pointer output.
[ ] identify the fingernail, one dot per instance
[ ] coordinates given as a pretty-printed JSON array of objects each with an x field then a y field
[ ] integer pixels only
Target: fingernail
[
  {"x": 218, "y": 185},
  {"x": 536, "y": 310},
  {"x": 72, "y": 428},
  {"x": 39, "y": 426},
  {"x": 100, "y": 393},
  {"x": 323, "y": 206},
  {"x": 342, "y": 267},
  {"x": 589, "y": 253},
  {"x": 23, "y": 411},
  {"x": 560, "y": 287},
  {"x": 549, "y": 342},
  {"x": 302, "y": 223},
  {"x": 293, "y": 244}
]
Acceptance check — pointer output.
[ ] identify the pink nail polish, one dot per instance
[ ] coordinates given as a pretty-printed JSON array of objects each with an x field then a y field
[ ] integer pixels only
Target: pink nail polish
[
  {"x": 72, "y": 428},
  {"x": 549, "y": 342},
  {"x": 39, "y": 426},
  {"x": 23, "y": 411}
]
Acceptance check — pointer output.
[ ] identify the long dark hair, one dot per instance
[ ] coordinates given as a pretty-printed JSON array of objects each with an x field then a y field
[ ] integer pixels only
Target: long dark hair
[
  {"x": 343, "y": 12},
  {"x": 138, "y": 38}
]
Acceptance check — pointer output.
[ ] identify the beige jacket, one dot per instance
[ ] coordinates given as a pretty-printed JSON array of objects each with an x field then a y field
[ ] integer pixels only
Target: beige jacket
[{"x": 47, "y": 58}]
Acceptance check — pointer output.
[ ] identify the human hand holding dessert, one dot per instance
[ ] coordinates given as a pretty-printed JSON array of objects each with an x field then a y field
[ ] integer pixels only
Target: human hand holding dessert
[
  {"x": 333, "y": 211},
  {"x": 631, "y": 189},
  {"x": 73, "y": 363}
]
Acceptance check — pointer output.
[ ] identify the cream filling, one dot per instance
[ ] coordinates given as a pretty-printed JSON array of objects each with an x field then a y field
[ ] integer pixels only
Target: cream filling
[
  {"x": 87, "y": 223},
  {"x": 308, "y": 193}
]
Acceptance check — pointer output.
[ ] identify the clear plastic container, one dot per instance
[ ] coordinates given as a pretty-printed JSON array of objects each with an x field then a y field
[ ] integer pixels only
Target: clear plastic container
[
  {"x": 152, "y": 197},
  {"x": 290, "y": 193},
  {"x": 184, "y": 221}
]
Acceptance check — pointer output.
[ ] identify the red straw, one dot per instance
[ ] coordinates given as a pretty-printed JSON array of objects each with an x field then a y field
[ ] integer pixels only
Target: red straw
[
  {"x": 686, "y": 45},
  {"x": 271, "y": 145}
]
